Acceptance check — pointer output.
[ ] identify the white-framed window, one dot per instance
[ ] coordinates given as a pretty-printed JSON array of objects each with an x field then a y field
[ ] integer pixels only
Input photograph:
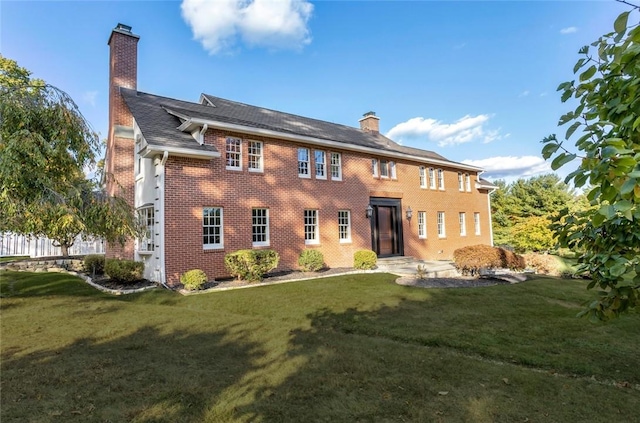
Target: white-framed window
[
  {"x": 460, "y": 182},
  {"x": 344, "y": 225},
  {"x": 432, "y": 178},
  {"x": 467, "y": 182},
  {"x": 255, "y": 153},
  {"x": 392, "y": 170},
  {"x": 336, "y": 167},
  {"x": 311, "y": 227},
  {"x": 384, "y": 169},
  {"x": 212, "y": 228},
  {"x": 441, "y": 229},
  {"x": 146, "y": 242},
  {"x": 260, "y": 227},
  {"x": 422, "y": 224},
  {"x": 303, "y": 163},
  {"x": 233, "y": 153},
  {"x": 476, "y": 222},
  {"x": 440, "y": 179},
  {"x": 423, "y": 177},
  {"x": 462, "y": 217},
  {"x": 320, "y": 159},
  {"x": 374, "y": 168}
]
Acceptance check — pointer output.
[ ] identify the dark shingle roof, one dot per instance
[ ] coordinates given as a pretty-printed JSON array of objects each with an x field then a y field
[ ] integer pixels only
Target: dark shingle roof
[{"x": 155, "y": 116}]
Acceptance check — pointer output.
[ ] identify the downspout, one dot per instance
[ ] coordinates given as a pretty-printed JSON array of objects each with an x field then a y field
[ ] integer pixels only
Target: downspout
[
  {"x": 161, "y": 175},
  {"x": 202, "y": 132}
]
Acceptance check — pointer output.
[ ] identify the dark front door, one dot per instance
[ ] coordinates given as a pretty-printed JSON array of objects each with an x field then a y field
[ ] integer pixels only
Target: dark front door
[{"x": 386, "y": 227}]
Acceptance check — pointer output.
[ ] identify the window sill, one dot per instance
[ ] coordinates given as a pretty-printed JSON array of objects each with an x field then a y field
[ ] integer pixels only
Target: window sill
[
  {"x": 237, "y": 169},
  {"x": 206, "y": 248},
  {"x": 345, "y": 241},
  {"x": 256, "y": 171},
  {"x": 312, "y": 243},
  {"x": 261, "y": 245},
  {"x": 304, "y": 176},
  {"x": 145, "y": 253}
]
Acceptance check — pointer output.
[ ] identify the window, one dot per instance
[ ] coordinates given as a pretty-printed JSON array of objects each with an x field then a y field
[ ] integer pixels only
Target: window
[
  {"x": 234, "y": 153},
  {"x": 260, "y": 227},
  {"x": 392, "y": 170},
  {"x": 476, "y": 222},
  {"x": 374, "y": 167},
  {"x": 321, "y": 166},
  {"x": 460, "y": 182},
  {"x": 440, "y": 179},
  {"x": 255, "y": 156},
  {"x": 422, "y": 224},
  {"x": 423, "y": 177},
  {"x": 344, "y": 225},
  {"x": 303, "y": 163},
  {"x": 146, "y": 241},
  {"x": 441, "y": 229},
  {"x": 336, "y": 167},
  {"x": 311, "y": 232},
  {"x": 463, "y": 223},
  {"x": 384, "y": 169},
  {"x": 467, "y": 180},
  {"x": 432, "y": 179},
  {"x": 212, "y": 236}
]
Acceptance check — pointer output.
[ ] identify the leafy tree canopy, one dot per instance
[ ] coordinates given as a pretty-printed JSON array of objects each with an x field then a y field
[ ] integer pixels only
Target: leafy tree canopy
[
  {"x": 45, "y": 145},
  {"x": 605, "y": 129}
]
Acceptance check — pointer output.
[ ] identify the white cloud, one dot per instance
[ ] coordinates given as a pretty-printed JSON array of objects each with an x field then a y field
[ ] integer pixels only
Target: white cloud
[
  {"x": 524, "y": 93},
  {"x": 220, "y": 24},
  {"x": 511, "y": 167},
  {"x": 568, "y": 30},
  {"x": 90, "y": 97},
  {"x": 465, "y": 129}
]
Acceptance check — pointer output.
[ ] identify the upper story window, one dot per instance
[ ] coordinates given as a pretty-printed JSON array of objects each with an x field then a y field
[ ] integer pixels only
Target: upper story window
[
  {"x": 441, "y": 228},
  {"x": 440, "y": 179},
  {"x": 460, "y": 182},
  {"x": 344, "y": 225},
  {"x": 392, "y": 170},
  {"x": 463, "y": 223},
  {"x": 384, "y": 169},
  {"x": 260, "y": 227},
  {"x": 303, "y": 163},
  {"x": 467, "y": 182},
  {"x": 432, "y": 178},
  {"x": 311, "y": 227},
  {"x": 234, "y": 153},
  {"x": 336, "y": 167},
  {"x": 320, "y": 159},
  {"x": 374, "y": 168},
  {"x": 422, "y": 224},
  {"x": 423, "y": 177},
  {"x": 476, "y": 222},
  {"x": 255, "y": 156},
  {"x": 146, "y": 241},
  {"x": 212, "y": 229}
]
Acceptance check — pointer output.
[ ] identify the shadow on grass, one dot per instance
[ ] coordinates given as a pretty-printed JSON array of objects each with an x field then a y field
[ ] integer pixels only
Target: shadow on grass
[{"x": 146, "y": 376}]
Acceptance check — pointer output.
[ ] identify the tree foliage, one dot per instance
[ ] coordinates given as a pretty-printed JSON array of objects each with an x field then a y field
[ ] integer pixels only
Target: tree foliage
[
  {"x": 45, "y": 145},
  {"x": 513, "y": 205},
  {"x": 605, "y": 125}
]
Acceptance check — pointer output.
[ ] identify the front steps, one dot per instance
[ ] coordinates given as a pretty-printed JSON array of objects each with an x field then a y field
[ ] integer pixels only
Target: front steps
[{"x": 408, "y": 266}]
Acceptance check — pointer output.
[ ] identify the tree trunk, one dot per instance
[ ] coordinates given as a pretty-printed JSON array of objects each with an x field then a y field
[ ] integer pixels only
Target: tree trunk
[{"x": 65, "y": 250}]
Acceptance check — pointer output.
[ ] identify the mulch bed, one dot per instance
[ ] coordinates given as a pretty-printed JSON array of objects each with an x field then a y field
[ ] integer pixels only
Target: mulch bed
[
  {"x": 460, "y": 282},
  {"x": 108, "y": 283}
]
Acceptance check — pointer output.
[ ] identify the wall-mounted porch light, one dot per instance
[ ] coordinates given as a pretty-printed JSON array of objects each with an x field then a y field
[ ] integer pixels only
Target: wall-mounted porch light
[
  {"x": 409, "y": 213},
  {"x": 369, "y": 211}
]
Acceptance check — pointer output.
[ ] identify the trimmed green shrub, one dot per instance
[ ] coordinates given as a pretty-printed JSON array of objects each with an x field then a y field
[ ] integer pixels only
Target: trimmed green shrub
[
  {"x": 193, "y": 279},
  {"x": 469, "y": 260},
  {"x": 251, "y": 265},
  {"x": 124, "y": 270},
  {"x": 93, "y": 263},
  {"x": 311, "y": 260},
  {"x": 365, "y": 259}
]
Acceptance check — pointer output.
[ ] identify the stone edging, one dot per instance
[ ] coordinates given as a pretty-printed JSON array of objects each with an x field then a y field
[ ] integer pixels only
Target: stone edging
[{"x": 88, "y": 280}]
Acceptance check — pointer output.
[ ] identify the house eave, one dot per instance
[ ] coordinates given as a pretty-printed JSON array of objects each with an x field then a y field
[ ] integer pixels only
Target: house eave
[{"x": 150, "y": 151}]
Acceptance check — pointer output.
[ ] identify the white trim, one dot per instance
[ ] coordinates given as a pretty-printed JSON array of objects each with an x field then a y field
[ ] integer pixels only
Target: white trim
[
  {"x": 239, "y": 152},
  {"x": 266, "y": 243},
  {"x": 476, "y": 223},
  {"x": 462, "y": 220},
  {"x": 315, "y": 241},
  {"x": 490, "y": 220},
  {"x": 151, "y": 150},
  {"x": 346, "y": 240},
  {"x": 316, "y": 141},
  {"x": 442, "y": 234},
  {"x": 214, "y": 246},
  {"x": 308, "y": 162},
  {"x": 324, "y": 164},
  {"x": 339, "y": 155},
  {"x": 249, "y": 155},
  {"x": 422, "y": 234}
]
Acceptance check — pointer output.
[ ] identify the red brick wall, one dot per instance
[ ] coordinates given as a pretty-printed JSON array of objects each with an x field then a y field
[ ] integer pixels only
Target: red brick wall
[{"x": 191, "y": 185}]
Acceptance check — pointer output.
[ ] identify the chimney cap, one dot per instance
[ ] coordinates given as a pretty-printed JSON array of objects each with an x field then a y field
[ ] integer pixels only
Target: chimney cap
[
  {"x": 369, "y": 114},
  {"x": 123, "y": 28}
]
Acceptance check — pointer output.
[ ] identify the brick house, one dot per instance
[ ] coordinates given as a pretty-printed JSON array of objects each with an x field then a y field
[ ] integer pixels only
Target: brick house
[{"x": 214, "y": 176}]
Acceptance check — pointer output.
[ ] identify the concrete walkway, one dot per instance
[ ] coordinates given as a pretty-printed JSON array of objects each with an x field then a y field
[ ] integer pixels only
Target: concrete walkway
[{"x": 408, "y": 266}]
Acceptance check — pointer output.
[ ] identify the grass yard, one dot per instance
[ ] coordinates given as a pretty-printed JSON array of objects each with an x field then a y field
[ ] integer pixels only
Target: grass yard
[{"x": 353, "y": 348}]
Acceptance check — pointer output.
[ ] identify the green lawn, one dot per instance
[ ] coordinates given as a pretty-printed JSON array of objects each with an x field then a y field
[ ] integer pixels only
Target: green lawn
[{"x": 345, "y": 349}]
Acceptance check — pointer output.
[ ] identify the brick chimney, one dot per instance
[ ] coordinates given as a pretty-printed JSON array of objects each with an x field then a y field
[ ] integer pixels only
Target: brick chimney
[
  {"x": 119, "y": 156},
  {"x": 370, "y": 122}
]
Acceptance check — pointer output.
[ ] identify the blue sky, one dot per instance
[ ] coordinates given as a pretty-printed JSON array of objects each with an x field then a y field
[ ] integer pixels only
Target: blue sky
[{"x": 474, "y": 81}]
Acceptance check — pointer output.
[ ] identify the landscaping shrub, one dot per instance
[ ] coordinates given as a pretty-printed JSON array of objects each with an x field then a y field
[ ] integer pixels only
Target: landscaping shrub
[
  {"x": 311, "y": 260},
  {"x": 365, "y": 259},
  {"x": 93, "y": 263},
  {"x": 251, "y": 265},
  {"x": 124, "y": 270},
  {"x": 545, "y": 264},
  {"x": 469, "y": 260},
  {"x": 193, "y": 279}
]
